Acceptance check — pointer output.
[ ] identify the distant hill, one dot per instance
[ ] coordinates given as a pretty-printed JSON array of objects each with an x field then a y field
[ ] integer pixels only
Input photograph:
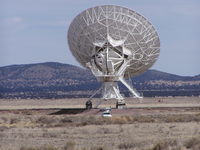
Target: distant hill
[{"x": 56, "y": 80}]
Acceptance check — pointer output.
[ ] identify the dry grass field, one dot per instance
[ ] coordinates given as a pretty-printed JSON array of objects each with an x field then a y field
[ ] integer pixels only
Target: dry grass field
[{"x": 153, "y": 124}]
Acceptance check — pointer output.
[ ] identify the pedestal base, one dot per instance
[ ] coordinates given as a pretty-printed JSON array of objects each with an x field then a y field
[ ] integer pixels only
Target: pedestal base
[
  {"x": 120, "y": 104},
  {"x": 111, "y": 91}
]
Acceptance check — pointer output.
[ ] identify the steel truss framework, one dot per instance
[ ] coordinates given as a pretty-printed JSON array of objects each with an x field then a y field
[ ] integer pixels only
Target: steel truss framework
[{"x": 114, "y": 42}]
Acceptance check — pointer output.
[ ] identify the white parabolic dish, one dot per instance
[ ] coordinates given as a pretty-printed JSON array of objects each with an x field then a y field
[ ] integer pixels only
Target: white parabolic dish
[
  {"x": 122, "y": 24},
  {"x": 114, "y": 42}
]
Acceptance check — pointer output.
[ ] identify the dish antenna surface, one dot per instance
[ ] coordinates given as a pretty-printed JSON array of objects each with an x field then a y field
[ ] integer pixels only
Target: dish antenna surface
[{"x": 114, "y": 43}]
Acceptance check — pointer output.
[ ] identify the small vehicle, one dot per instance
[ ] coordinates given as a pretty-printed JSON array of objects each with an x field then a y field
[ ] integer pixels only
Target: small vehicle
[{"x": 107, "y": 112}]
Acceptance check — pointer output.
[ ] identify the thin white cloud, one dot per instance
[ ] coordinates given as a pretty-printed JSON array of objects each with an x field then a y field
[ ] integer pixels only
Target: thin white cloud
[
  {"x": 14, "y": 20},
  {"x": 13, "y": 24}
]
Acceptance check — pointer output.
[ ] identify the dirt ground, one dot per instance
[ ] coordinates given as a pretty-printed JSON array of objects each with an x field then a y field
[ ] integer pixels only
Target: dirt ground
[
  {"x": 153, "y": 124},
  {"x": 80, "y": 103}
]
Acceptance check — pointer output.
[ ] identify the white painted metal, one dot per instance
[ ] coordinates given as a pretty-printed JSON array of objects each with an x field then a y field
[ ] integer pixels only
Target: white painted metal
[
  {"x": 111, "y": 91},
  {"x": 113, "y": 42},
  {"x": 134, "y": 92}
]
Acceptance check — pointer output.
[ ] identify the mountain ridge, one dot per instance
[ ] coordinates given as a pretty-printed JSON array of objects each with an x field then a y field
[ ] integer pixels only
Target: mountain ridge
[
  {"x": 40, "y": 79},
  {"x": 162, "y": 74}
]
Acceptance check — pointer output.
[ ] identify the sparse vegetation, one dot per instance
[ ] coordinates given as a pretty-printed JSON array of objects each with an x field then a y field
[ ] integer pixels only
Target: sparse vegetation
[
  {"x": 62, "y": 121},
  {"x": 46, "y": 121},
  {"x": 96, "y": 148},
  {"x": 14, "y": 120},
  {"x": 45, "y": 147},
  {"x": 190, "y": 144},
  {"x": 166, "y": 145},
  {"x": 193, "y": 143},
  {"x": 143, "y": 129},
  {"x": 55, "y": 121},
  {"x": 126, "y": 146},
  {"x": 70, "y": 145},
  {"x": 55, "y": 80}
]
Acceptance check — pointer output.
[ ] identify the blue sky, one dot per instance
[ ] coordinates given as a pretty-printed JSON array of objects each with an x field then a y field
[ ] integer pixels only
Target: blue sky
[{"x": 33, "y": 31}]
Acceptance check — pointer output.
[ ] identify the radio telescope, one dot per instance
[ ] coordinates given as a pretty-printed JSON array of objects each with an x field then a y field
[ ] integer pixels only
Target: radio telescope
[{"x": 115, "y": 43}]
